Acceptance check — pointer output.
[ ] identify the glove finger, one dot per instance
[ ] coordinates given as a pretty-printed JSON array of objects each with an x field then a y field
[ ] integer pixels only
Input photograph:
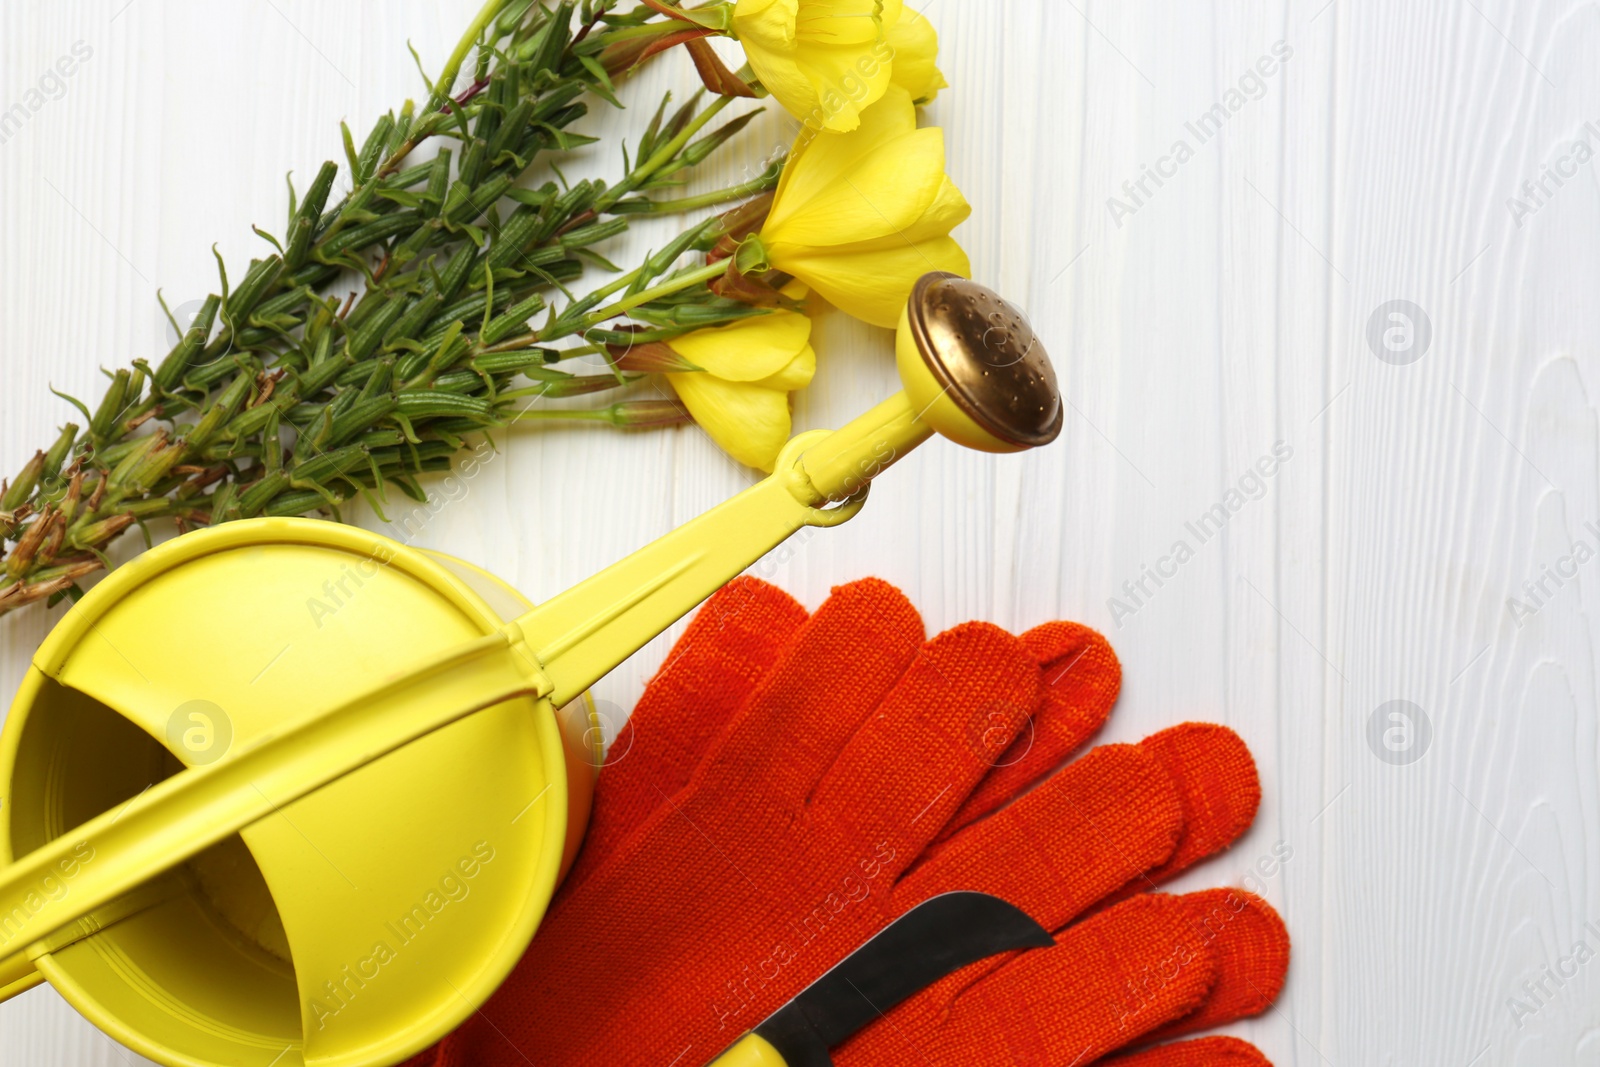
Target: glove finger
[
  {"x": 1096, "y": 825},
  {"x": 1103, "y": 829},
  {"x": 916, "y": 757},
  {"x": 839, "y": 667},
  {"x": 1060, "y": 849},
  {"x": 731, "y": 643},
  {"x": 1204, "y": 1052},
  {"x": 1218, "y": 787},
  {"x": 1251, "y": 945},
  {"x": 1109, "y": 980},
  {"x": 1125, "y": 975},
  {"x": 1081, "y": 677}
]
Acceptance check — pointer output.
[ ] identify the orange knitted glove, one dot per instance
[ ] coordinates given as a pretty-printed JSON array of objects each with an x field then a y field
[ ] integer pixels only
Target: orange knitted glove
[
  {"x": 724, "y": 872},
  {"x": 1149, "y": 968}
]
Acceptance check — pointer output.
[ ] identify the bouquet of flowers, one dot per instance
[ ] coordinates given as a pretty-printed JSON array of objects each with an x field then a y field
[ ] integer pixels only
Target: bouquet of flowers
[{"x": 435, "y": 296}]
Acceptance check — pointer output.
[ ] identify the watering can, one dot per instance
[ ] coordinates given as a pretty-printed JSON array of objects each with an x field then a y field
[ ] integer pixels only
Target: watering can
[{"x": 286, "y": 792}]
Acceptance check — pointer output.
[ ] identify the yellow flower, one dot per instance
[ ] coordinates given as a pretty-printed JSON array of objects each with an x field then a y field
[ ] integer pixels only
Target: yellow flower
[
  {"x": 824, "y": 60},
  {"x": 740, "y": 396},
  {"x": 860, "y": 216},
  {"x": 915, "y": 44}
]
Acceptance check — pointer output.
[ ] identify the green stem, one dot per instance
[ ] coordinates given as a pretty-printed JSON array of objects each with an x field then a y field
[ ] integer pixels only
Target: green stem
[
  {"x": 716, "y": 196},
  {"x": 655, "y": 292},
  {"x": 581, "y": 350},
  {"x": 543, "y": 389},
  {"x": 447, "y": 78},
  {"x": 520, "y": 343},
  {"x": 593, "y": 414},
  {"x": 441, "y": 88},
  {"x": 663, "y": 155}
]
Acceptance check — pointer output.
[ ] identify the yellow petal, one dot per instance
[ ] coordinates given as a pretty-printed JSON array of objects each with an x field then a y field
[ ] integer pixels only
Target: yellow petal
[
  {"x": 888, "y": 192},
  {"x": 916, "y": 50},
  {"x": 820, "y": 160},
  {"x": 747, "y": 350},
  {"x": 845, "y": 79},
  {"x": 746, "y": 421},
  {"x": 948, "y": 210},
  {"x": 787, "y": 81},
  {"x": 846, "y": 21},
  {"x": 784, "y": 79},
  {"x": 858, "y": 217},
  {"x": 874, "y": 285},
  {"x": 797, "y": 375},
  {"x": 824, "y": 60},
  {"x": 769, "y": 23},
  {"x": 767, "y": 30}
]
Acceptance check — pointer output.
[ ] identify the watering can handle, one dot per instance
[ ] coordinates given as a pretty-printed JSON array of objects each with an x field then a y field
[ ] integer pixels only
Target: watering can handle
[{"x": 194, "y": 809}]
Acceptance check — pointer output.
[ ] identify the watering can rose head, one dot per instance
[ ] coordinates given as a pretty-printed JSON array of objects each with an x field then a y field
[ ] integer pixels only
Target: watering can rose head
[
  {"x": 860, "y": 216},
  {"x": 828, "y": 60}
]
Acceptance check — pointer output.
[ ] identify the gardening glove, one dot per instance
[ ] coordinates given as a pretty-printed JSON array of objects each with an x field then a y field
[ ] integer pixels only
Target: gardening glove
[
  {"x": 1233, "y": 945},
  {"x": 702, "y": 688},
  {"x": 773, "y": 861}
]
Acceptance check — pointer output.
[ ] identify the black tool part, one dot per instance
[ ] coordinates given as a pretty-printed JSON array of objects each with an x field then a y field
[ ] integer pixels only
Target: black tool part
[
  {"x": 937, "y": 937},
  {"x": 795, "y": 1039}
]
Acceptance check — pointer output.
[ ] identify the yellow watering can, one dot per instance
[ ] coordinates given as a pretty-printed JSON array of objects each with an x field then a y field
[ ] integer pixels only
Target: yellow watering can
[{"x": 324, "y": 831}]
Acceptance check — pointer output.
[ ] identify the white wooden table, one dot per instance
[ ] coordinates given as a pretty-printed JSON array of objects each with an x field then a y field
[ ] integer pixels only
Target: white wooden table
[{"x": 1198, "y": 322}]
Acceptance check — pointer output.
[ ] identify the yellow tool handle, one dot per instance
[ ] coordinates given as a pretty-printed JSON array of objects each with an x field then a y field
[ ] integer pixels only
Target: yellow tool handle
[
  {"x": 752, "y": 1050},
  {"x": 194, "y": 809}
]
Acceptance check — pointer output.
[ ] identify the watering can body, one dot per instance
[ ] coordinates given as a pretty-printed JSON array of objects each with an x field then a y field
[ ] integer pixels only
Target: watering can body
[{"x": 417, "y": 879}]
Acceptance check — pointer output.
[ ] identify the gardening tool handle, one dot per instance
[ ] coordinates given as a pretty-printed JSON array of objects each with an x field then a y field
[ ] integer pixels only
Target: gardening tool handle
[
  {"x": 751, "y": 1050},
  {"x": 173, "y": 820}
]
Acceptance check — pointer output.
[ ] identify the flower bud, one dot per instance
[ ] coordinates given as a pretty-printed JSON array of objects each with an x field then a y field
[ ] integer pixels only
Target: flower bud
[
  {"x": 651, "y": 357},
  {"x": 20, "y": 490},
  {"x": 96, "y": 534},
  {"x": 640, "y": 414}
]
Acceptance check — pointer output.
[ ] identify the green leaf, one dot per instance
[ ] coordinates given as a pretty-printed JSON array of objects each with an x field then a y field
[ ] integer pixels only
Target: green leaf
[
  {"x": 350, "y": 154},
  {"x": 597, "y": 259},
  {"x": 602, "y": 81}
]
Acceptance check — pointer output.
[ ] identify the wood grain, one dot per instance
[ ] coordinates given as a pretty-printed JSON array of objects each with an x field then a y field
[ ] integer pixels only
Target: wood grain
[{"x": 1227, "y": 313}]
